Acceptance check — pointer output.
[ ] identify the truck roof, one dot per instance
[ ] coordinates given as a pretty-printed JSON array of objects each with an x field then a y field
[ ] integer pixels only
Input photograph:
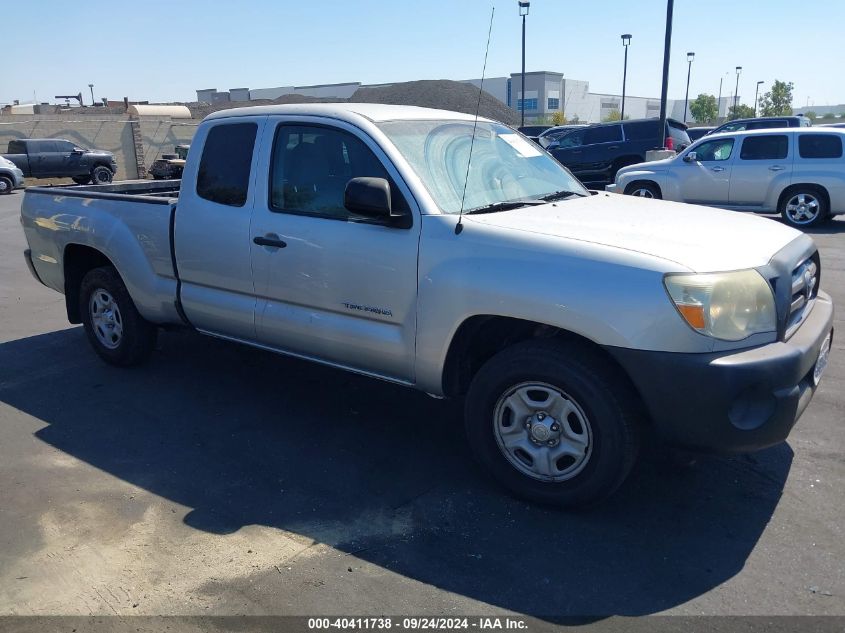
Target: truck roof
[{"x": 348, "y": 111}]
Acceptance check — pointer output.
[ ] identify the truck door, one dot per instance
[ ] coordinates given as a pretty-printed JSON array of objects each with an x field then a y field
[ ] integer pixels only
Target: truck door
[
  {"x": 71, "y": 163},
  {"x": 331, "y": 286},
  {"x": 45, "y": 160},
  {"x": 212, "y": 235}
]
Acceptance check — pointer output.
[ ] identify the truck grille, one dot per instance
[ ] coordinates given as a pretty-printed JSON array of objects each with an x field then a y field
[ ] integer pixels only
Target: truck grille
[{"x": 805, "y": 287}]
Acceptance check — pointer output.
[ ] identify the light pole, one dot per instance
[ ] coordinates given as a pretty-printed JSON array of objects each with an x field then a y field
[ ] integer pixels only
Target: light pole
[
  {"x": 523, "y": 11},
  {"x": 690, "y": 57},
  {"x": 756, "y": 90},
  {"x": 626, "y": 40},
  {"x": 736, "y": 90},
  {"x": 667, "y": 49},
  {"x": 91, "y": 86}
]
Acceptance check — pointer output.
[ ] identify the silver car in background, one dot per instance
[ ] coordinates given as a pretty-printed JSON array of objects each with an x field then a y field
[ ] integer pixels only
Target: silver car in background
[{"x": 797, "y": 172}]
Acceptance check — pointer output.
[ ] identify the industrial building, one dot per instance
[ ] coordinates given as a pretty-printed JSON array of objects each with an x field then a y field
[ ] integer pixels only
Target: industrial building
[{"x": 546, "y": 92}]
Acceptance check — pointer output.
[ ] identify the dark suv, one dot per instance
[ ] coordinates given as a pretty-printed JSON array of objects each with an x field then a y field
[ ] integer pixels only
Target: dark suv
[
  {"x": 595, "y": 153},
  {"x": 762, "y": 123}
]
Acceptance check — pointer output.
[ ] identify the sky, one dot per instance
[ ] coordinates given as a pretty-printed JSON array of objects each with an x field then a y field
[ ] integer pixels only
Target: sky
[{"x": 165, "y": 50}]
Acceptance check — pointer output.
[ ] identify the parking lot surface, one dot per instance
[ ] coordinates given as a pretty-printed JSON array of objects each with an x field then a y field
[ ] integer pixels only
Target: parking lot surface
[{"x": 219, "y": 479}]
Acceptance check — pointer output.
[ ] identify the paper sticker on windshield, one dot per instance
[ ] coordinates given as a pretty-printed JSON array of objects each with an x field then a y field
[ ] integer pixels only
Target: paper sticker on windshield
[{"x": 524, "y": 148}]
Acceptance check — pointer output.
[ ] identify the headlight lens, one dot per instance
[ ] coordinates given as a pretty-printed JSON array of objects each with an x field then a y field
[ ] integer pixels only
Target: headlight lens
[{"x": 729, "y": 306}]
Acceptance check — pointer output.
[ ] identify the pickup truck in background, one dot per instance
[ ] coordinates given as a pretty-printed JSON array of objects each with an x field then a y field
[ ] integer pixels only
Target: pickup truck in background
[
  {"x": 58, "y": 158},
  {"x": 573, "y": 324}
]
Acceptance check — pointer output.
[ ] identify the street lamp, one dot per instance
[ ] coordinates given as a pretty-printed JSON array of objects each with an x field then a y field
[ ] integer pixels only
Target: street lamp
[
  {"x": 736, "y": 90},
  {"x": 626, "y": 40},
  {"x": 523, "y": 11},
  {"x": 91, "y": 86},
  {"x": 756, "y": 90},
  {"x": 690, "y": 57}
]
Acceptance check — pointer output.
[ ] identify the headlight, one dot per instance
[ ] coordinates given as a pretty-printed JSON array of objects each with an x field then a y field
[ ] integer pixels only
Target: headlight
[{"x": 729, "y": 306}]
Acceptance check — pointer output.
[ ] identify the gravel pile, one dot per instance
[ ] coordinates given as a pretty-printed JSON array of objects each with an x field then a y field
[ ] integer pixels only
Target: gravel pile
[{"x": 440, "y": 93}]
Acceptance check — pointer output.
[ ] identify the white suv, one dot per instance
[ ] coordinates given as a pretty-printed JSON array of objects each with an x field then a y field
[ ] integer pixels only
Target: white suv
[{"x": 797, "y": 172}]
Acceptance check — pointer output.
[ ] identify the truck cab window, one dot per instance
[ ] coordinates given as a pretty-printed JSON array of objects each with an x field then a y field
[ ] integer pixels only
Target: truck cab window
[
  {"x": 311, "y": 166},
  {"x": 225, "y": 165}
]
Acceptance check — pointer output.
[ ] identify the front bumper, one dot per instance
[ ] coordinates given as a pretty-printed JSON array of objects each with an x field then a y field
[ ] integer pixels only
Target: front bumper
[{"x": 732, "y": 401}]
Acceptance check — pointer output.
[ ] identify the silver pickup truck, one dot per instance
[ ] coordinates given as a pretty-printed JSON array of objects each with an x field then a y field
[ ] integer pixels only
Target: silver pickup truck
[{"x": 455, "y": 257}]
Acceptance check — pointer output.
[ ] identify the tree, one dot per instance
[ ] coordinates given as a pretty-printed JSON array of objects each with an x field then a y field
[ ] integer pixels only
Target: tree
[
  {"x": 559, "y": 118},
  {"x": 778, "y": 100},
  {"x": 829, "y": 117},
  {"x": 614, "y": 115},
  {"x": 704, "y": 108},
  {"x": 741, "y": 111},
  {"x": 810, "y": 114}
]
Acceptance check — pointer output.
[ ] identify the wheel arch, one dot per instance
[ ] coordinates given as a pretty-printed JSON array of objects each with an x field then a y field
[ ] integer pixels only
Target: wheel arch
[
  {"x": 788, "y": 190},
  {"x": 480, "y": 337},
  {"x": 643, "y": 181},
  {"x": 77, "y": 261}
]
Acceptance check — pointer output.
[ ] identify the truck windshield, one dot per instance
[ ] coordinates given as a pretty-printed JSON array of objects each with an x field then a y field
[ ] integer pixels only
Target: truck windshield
[{"x": 505, "y": 167}]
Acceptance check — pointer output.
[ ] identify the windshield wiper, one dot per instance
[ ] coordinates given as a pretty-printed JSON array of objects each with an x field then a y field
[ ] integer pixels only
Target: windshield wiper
[
  {"x": 560, "y": 195},
  {"x": 504, "y": 206}
]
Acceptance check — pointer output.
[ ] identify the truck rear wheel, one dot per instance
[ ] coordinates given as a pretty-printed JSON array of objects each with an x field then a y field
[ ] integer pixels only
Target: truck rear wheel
[
  {"x": 553, "y": 422},
  {"x": 115, "y": 329},
  {"x": 101, "y": 175},
  {"x": 6, "y": 185}
]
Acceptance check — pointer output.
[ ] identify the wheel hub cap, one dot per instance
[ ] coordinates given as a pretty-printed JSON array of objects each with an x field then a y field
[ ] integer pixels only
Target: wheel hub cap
[
  {"x": 106, "y": 320},
  {"x": 542, "y": 432}
]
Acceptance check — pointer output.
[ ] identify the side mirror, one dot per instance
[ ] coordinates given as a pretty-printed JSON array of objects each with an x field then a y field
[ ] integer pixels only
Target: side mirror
[
  {"x": 690, "y": 157},
  {"x": 369, "y": 197}
]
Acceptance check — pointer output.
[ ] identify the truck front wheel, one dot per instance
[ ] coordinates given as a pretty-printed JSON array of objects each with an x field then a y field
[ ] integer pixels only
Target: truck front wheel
[
  {"x": 553, "y": 421},
  {"x": 101, "y": 175},
  {"x": 115, "y": 329},
  {"x": 6, "y": 185}
]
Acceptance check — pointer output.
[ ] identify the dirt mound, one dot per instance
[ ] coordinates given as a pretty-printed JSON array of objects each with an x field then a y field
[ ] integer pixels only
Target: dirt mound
[{"x": 439, "y": 93}]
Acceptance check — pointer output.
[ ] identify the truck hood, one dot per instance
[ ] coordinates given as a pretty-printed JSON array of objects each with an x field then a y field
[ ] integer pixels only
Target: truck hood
[{"x": 697, "y": 238}]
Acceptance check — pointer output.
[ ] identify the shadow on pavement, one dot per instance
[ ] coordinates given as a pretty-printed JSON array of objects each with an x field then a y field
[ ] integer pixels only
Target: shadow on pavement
[{"x": 246, "y": 437}]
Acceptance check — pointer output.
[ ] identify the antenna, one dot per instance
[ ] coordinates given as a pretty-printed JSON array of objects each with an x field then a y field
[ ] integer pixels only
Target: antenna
[{"x": 459, "y": 226}]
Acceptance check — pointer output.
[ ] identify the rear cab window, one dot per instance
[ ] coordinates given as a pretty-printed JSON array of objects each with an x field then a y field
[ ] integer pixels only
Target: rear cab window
[
  {"x": 768, "y": 147},
  {"x": 819, "y": 146},
  {"x": 225, "y": 165},
  {"x": 17, "y": 147}
]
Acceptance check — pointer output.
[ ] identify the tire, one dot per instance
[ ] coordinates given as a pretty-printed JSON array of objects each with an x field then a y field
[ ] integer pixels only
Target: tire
[
  {"x": 601, "y": 427},
  {"x": 101, "y": 175},
  {"x": 115, "y": 329},
  {"x": 644, "y": 190},
  {"x": 803, "y": 206},
  {"x": 6, "y": 185},
  {"x": 82, "y": 180}
]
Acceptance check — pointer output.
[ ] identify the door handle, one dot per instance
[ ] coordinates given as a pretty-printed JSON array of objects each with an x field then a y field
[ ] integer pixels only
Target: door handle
[
  {"x": 717, "y": 168},
  {"x": 269, "y": 240},
  {"x": 613, "y": 147},
  {"x": 776, "y": 168}
]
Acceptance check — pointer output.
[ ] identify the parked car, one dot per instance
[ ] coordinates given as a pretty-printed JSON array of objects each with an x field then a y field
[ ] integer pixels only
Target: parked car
[
  {"x": 762, "y": 123},
  {"x": 831, "y": 125},
  {"x": 533, "y": 131},
  {"x": 170, "y": 165},
  {"x": 11, "y": 177},
  {"x": 554, "y": 133},
  {"x": 696, "y": 133},
  {"x": 595, "y": 153},
  {"x": 799, "y": 173},
  {"x": 350, "y": 234},
  {"x": 58, "y": 158}
]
